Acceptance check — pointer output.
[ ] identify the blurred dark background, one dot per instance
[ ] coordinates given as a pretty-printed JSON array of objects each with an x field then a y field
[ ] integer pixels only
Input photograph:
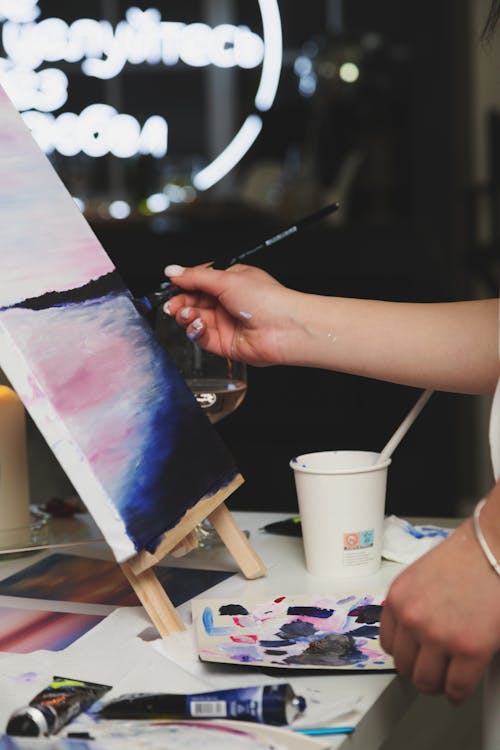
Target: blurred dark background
[{"x": 373, "y": 110}]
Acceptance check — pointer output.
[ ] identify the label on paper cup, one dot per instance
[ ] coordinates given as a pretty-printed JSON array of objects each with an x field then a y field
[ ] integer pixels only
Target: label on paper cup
[{"x": 359, "y": 547}]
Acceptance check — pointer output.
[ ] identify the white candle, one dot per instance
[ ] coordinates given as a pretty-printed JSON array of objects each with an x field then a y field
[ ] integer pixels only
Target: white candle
[{"x": 14, "y": 485}]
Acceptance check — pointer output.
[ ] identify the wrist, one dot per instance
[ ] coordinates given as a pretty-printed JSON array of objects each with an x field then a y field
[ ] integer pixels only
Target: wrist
[
  {"x": 312, "y": 333},
  {"x": 481, "y": 539},
  {"x": 291, "y": 344},
  {"x": 486, "y": 522}
]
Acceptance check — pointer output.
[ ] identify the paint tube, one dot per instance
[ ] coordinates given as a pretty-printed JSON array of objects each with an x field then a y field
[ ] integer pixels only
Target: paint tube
[
  {"x": 272, "y": 704},
  {"x": 54, "y": 707}
]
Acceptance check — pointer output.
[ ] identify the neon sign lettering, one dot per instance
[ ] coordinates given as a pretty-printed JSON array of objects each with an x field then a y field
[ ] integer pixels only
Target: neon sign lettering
[{"x": 39, "y": 89}]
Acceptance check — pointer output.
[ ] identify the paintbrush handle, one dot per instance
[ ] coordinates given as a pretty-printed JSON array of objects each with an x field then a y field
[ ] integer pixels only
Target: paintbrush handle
[
  {"x": 149, "y": 302},
  {"x": 403, "y": 428},
  {"x": 223, "y": 262}
]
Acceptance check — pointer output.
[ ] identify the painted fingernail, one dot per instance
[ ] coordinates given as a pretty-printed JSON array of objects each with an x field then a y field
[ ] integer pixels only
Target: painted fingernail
[
  {"x": 198, "y": 327},
  {"x": 174, "y": 270},
  {"x": 166, "y": 308},
  {"x": 185, "y": 313}
]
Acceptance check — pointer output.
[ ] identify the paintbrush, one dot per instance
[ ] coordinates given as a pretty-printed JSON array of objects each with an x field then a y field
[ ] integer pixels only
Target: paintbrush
[
  {"x": 403, "y": 428},
  {"x": 149, "y": 302}
]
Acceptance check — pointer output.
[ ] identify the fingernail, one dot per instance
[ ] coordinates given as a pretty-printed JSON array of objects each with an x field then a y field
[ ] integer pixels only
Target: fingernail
[
  {"x": 174, "y": 270},
  {"x": 166, "y": 308},
  {"x": 185, "y": 313},
  {"x": 198, "y": 327}
]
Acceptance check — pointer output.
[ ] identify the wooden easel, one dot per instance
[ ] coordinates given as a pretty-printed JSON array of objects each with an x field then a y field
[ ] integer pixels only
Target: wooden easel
[{"x": 139, "y": 569}]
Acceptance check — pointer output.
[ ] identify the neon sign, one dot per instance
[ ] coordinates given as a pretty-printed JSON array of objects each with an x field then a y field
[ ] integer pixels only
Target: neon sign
[{"x": 39, "y": 89}]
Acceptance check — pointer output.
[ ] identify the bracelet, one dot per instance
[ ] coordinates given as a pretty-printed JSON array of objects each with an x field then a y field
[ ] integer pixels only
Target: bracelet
[{"x": 481, "y": 539}]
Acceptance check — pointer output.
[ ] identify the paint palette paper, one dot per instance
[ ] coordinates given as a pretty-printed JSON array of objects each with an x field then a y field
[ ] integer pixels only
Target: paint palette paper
[
  {"x": 122, "y": 422},
  {"x": 299, "y": 632}
]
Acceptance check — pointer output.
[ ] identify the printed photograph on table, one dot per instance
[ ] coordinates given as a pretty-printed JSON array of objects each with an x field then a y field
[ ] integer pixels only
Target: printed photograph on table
[
  {"x": 300, "y": 632},
  {"x": 82, "y": 579},
  {"x": 81, "y": 356},
  {"x": 24, "y": 630}
]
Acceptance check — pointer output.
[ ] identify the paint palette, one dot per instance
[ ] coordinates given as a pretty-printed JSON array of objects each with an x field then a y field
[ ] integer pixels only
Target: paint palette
[{"x": 299, "y": 632}]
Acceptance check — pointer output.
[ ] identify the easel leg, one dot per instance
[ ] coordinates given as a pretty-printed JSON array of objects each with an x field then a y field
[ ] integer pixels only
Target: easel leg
[
  {"x": 235, "y": 540},
  {"x": 153, "y": 598}
]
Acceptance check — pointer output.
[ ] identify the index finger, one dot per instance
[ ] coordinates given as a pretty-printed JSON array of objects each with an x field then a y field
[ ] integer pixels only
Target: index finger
[{"x": 200, "y": 278}]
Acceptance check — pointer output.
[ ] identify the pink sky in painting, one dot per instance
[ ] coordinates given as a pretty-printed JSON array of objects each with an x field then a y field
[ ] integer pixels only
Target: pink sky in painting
[
  {"x": 98, "y": 385},
  {"x": 71, "y": 256}
]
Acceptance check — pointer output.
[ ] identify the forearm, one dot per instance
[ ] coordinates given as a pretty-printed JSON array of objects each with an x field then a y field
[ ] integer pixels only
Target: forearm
[{"x": 444, "y": 346}]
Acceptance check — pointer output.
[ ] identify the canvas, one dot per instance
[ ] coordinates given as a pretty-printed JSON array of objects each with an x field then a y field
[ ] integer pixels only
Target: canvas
[
  {"x": 120, "y": 419},
  {"x": 299, "y": 632}
]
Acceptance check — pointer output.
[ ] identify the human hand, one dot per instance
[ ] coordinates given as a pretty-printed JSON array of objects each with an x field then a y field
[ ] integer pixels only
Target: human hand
[
  {"x": 242, "y": 313},
  {"x": 441, "y": 620}
]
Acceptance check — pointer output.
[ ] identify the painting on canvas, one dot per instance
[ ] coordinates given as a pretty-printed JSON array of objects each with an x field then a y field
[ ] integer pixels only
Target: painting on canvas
[
  {"x": 111, "y": 405},
  {"x": 308, "y": 632}
]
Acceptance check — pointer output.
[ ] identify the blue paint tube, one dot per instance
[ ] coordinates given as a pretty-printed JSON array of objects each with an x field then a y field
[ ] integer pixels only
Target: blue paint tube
[
  {"x": 54, "y": 707},
  {"x": 272, "y": 704}
]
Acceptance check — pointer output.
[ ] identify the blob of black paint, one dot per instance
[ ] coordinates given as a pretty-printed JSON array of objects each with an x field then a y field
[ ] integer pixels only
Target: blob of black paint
[
  {"x": 367, "y": 631},
  {"x": 333, "y": 650},
  {"x": 232, "y": 610},
  {"x": 370, "y": 613},
  {"x": 274, "y": 652}
]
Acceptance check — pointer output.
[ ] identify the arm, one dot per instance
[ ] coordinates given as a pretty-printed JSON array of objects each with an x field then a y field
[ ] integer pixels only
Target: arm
[
  {"x": 441, "y": 620},
  {"x": 245, "y": 314}
]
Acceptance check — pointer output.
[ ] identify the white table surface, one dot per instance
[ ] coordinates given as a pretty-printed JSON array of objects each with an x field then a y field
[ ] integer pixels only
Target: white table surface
[{"x": 118, "y": 653}]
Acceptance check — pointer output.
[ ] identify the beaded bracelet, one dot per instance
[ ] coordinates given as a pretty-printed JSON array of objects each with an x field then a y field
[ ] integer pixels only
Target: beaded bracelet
[{"x": 481, "y": 539}]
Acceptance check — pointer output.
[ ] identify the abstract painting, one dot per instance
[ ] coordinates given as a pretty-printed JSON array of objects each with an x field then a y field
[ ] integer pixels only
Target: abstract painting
[
  {"x": 300, "y": 632},
  {"x": 25, "y": 630},
  {"x": 72, "y": 578},
  {"x": 120, "y": 419}
]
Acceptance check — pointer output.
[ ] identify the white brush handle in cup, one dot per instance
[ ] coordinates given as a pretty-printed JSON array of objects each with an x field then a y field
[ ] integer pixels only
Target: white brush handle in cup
[{"x": 403, "y": 428}]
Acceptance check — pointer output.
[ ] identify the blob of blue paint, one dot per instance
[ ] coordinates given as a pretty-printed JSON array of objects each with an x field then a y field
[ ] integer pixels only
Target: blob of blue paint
[
  {"x": 311, "y": 611},
  {"x": 208, "y": 623},
  {"x": 297, "y": 630}
]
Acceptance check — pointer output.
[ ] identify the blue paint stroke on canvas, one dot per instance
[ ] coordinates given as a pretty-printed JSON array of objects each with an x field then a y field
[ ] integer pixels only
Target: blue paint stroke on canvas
[{"x": 139, "y": 427}]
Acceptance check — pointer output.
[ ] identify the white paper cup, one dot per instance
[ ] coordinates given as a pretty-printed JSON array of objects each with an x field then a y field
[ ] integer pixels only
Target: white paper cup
[{"x": 341, "y": 497}]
